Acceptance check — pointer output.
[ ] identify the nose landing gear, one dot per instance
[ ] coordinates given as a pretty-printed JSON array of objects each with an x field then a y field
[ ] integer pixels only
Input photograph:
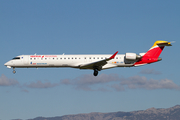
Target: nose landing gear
[{"x": 14, "y": 70}]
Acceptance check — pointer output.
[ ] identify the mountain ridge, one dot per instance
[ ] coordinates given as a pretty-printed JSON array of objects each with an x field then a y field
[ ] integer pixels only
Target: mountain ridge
[{"x": 172, "y": 113}]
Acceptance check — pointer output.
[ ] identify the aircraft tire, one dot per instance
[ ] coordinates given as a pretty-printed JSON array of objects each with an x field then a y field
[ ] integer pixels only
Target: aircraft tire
[
  {"x": 95, "y": 72},
  {"x": 14, "y": 71}
]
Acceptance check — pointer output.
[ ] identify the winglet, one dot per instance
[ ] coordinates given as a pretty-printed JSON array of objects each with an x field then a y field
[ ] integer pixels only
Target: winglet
[{"x": 112, "y": 57}]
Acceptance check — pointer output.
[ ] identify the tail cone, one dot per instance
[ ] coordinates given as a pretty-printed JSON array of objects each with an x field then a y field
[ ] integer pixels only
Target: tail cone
[{"x": 159, "y": 59}]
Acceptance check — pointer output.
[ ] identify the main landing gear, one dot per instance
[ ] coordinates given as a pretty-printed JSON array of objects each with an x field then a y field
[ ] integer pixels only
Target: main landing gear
[
  {"x": 95, "y": 72},
  {"x": 14, "y": 70}
]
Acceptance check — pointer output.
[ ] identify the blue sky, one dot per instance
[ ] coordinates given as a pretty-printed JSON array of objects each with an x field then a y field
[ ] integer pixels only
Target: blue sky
[{"x": 87, "y": 27}]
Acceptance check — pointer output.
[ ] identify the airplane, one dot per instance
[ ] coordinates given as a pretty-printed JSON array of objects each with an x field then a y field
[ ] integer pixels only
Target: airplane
[{"x": 96, "y": 62}]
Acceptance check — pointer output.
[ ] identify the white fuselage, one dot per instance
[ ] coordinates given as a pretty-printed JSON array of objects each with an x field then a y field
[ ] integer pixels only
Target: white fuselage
[
  {"x": 74, "y": 61},
  {"x": 94, "y": 62}
]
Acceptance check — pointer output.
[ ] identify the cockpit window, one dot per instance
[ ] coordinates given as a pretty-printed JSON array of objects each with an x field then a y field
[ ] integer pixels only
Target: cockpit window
[{"x": 16, "y": 58}]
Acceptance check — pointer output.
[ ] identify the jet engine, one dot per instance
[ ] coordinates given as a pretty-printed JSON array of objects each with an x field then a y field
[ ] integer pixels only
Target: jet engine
[{"x": 132, "y": 56}]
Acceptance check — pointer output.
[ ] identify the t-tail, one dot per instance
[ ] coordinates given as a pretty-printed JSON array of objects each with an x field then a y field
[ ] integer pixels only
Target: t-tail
[{"x": 152, "y": 55}]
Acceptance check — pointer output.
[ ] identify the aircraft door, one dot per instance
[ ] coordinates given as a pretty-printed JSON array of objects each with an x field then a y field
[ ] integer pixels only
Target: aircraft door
[{"x": 25, "y": 60}]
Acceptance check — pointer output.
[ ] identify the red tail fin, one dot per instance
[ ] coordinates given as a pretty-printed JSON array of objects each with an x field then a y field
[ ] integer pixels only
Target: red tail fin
[{"x": 153, "y": 53}]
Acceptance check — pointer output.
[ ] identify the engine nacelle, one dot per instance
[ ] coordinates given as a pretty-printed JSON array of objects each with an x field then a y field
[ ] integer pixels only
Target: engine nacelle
[{"x": 132, "y": 56}]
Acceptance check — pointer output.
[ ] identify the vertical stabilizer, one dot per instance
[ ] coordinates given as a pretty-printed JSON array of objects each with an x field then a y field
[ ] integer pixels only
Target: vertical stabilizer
[
  {"x": 152, "y": 55},
  {"x": 156, "y": 49}
]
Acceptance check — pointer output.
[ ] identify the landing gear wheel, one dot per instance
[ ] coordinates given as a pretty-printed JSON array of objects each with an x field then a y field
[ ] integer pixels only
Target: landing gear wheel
[
  {"x": 14, "y": 71},
  {"x": 95, "y": 72}
]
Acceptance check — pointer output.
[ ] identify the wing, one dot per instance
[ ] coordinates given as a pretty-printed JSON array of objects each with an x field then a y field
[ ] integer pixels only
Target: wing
[{"x": 97, "y": 65}]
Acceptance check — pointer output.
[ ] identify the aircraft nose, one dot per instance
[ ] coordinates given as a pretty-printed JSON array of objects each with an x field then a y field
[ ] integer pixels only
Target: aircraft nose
[{"x": 8, "y": 64}]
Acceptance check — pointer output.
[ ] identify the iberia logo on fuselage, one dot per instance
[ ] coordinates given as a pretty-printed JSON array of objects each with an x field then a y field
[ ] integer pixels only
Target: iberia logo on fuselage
[{"x": 42, "y": 56}]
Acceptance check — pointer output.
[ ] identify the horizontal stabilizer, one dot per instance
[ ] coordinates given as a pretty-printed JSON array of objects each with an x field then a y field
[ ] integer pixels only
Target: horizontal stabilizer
[
  {"x": 161, "y": 43},
  {"x": 165, "y": 43}
]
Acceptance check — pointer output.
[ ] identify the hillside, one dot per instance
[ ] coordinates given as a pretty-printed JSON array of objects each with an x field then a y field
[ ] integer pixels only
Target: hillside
[{"x": 172, "y": 113}]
